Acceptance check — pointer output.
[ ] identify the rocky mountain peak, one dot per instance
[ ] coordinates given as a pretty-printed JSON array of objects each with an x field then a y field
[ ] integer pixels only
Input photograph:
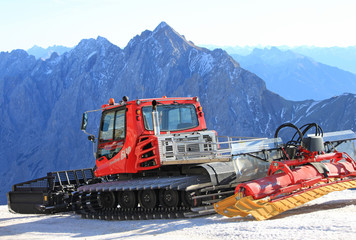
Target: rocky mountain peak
[
  {"x": 92, "y": 48},
  {"x": 163, "y": 38},
  {"x": 17, "y": 58},
  {"x": 103, "y": 42},
  {"x": 162, "y": 25},
  {"x": 53, "y": 56},
  {"x": 19, "y": 53},
  {"x": 93, "y": 44}
]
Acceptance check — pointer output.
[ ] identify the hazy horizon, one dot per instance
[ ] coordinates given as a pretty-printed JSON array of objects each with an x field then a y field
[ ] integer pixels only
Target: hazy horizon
[{"x": 321, "y": 23}]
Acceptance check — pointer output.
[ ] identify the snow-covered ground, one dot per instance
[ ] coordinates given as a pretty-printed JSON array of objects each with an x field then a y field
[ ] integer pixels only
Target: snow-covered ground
[{"x": 330, "y": 217}]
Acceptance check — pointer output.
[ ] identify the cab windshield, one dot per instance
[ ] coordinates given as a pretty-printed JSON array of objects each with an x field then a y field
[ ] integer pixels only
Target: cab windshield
[{"x": 172, "y": 117}]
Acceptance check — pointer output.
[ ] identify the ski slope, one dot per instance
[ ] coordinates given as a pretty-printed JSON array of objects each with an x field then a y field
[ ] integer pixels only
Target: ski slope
[{"x": 330, "y": 217}]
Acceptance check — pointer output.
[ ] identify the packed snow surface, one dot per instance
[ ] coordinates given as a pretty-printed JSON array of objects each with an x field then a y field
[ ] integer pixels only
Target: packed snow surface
[{"x": 330, "y": 217}]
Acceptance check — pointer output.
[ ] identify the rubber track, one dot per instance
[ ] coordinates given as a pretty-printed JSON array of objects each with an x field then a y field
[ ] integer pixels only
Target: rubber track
[
  {"x": 88, "y": 207},
  {"x": 137, "y": 214},
  {"x": 86, "y": 202},
  {"x": 264, "y": 209}
]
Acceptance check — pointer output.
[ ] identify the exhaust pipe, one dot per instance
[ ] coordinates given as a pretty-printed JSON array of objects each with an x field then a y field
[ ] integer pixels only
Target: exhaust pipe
[{"x": 155, "y": 118}]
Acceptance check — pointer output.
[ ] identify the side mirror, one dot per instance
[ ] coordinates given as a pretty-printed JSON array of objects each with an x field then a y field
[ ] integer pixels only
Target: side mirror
[
  {"x": 84, "y": 121},
  {"x": 91, "y": 138}
]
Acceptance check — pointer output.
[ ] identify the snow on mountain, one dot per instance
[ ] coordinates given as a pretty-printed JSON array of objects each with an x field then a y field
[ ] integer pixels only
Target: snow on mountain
[
  {"x": 41, "y": 101},
  {"x": 331, "y": 217}
]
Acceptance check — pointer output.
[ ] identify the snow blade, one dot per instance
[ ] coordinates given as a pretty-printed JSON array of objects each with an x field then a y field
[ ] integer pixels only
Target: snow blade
[
  {"x": 50, "y": 194},
  {"x": 263, "y": 209}
]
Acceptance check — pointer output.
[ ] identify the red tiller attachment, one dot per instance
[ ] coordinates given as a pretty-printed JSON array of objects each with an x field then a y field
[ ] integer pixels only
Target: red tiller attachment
[
  {"x": 291, "y": 183},
  {"x": 282, "y": 179}
]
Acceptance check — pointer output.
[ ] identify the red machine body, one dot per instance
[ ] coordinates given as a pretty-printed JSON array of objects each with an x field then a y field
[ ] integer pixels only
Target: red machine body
[{"x": 132, "y": 147}]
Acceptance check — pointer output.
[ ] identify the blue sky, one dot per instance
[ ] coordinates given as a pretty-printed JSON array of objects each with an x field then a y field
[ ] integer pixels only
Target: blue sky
[{"x": 24, "y": 23}]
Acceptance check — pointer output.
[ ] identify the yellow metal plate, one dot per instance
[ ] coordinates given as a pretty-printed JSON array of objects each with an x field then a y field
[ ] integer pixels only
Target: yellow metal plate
[{"x": 264, "y": 209}]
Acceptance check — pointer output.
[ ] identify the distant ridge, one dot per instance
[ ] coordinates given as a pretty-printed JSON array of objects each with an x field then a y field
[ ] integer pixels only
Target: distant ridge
[
  {"x": 340, "y": 57},
  {"x": 46, "y": 53},
  {"x": 295, "y": 76}
]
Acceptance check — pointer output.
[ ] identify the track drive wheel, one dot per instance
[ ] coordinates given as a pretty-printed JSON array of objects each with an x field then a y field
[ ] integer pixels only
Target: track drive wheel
[
  {"x": 127, "y": 199},
  {"x": 108, "y": 200},
  {"x": 76, "y": 203},
  {"x": 168, "y": 198},
  {"x": 188, "y": 201},
  {"x": 147, "y": 198}
]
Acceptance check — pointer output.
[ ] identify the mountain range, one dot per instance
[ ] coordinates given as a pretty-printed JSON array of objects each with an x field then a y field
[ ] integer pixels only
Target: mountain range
[
  {"x": 41, "y": 101},
  {"x": 295, "y": 76},
  {"x": 340, "y": 57}
]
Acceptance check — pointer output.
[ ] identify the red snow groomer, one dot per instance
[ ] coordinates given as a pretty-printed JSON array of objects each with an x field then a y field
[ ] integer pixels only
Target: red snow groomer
[{"x": 300, "y": 171}]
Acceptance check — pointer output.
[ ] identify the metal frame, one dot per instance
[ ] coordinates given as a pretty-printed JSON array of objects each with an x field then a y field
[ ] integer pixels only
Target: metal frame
[{"x": 207, "y": 147}]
